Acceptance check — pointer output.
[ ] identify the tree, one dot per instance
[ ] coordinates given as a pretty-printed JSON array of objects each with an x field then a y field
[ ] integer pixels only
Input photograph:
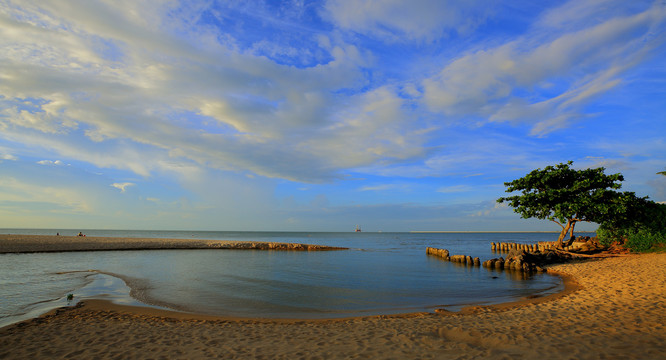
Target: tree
[
  {"x": 566, "y": 196},
  {"x": 641, "y": 225}
]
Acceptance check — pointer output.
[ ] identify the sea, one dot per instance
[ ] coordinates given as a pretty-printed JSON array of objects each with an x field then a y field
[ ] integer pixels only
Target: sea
[{"x": 381, "y": 273}]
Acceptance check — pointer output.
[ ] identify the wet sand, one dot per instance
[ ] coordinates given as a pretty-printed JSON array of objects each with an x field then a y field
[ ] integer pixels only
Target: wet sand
[{"x": 612, "y": 308}]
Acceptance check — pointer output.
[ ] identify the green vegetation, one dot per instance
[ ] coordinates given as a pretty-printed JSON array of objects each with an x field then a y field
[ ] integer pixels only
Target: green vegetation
[
  {"x": 645, "y": 240},
  {"x": 566, "y": 196},
  {"x": 643, "y": 230}
]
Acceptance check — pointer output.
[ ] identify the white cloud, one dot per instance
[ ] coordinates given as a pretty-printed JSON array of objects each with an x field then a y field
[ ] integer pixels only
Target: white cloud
[
  {"x": 396, "y": 20},
  {"x": 455, "y": 189},
  {"x": 514, "y": 81},
  {"x": 145, "y": 88},
  {"x": 122, "y": 186},
  {"x": 8, "y": 157},
  {"x": 382, "y": 187},
  {"x": 59, "y": 199},
  {"x": 374, "y": 128},
  {"x": 50, "y": 162},
  {"x": 252, "y": 113},
  {"x": 492, "y": 209}
]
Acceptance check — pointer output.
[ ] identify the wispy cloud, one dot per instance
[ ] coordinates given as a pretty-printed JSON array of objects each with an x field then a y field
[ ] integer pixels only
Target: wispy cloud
[
  {"x": 122, "y": 186},
  {"x": 399, "y": 21},
  {"x": 455, "y": 189},
  {"x": 547, "y": 76},
  {"x": 383, "y": 187},
  {"x": 58, "y": 199},
  {"x": 50, "y": 162},
  {"x": 138, "y": 89},
  {"x": 349, "y": 97}
]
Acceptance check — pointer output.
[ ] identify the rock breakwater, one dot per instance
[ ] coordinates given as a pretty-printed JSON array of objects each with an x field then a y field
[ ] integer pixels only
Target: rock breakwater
[
  {"x": 521, "y": 260},
  {"x": 460, "y": 259},
  {"x": 579, "y": 244},
  {"x": 45, "y": 243},
  {"x": 508, "y": 246}
]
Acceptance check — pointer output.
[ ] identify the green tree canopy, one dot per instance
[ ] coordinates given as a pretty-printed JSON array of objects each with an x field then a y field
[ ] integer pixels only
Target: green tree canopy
[
  {"x": 567, "y": 196},
  {"x": 640, "y": 225}
]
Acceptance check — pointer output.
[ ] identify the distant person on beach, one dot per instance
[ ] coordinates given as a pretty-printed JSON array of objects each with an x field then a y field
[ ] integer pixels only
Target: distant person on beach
[
  {"x": 81, "y": 234},
  {"x": 57, "y": 234}
]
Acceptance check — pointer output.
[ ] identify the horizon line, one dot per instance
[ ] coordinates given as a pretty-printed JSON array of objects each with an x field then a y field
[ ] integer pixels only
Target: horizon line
[{"x": 490, "y": 231}]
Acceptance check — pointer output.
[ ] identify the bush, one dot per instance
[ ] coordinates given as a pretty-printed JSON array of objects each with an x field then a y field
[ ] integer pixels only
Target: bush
[
  {"x": 607, "y": 236},
  {"x": 645, "y": 240},
  {"x": 643, "y": 230}
]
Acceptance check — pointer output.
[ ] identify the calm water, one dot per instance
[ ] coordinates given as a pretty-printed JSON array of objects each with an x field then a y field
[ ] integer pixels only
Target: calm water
[{"x": 381, "y": 273}]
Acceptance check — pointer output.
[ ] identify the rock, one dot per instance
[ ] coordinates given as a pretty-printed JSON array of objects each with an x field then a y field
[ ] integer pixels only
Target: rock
[
  {"x": 499, "y": 264},
  {"x": 462, "y": 259}
]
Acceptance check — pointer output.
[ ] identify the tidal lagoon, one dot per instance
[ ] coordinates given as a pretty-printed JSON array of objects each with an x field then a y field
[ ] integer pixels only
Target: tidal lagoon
[{"x": 376, "y": 274}]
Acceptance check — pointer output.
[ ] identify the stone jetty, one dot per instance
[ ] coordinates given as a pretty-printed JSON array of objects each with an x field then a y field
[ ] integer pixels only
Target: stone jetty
[
  {"x": 521, "y": 260},
  {"x": 581, "y": 243},
  {"x": 56, "y": 243},
  {"x": 508, "y": 246},
  {"x": 517, "y": 260},
  {"x": 460, "y": 259}
]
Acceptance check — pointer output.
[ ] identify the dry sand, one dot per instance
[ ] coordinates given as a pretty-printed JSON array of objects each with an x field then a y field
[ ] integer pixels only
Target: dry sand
[{"x": 615, "y": 309}]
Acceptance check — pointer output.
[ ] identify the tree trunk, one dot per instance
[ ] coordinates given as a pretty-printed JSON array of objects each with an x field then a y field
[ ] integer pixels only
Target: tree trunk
[
  {"x": 572, "y": 237},
  {"x": 563, "y": 234}
]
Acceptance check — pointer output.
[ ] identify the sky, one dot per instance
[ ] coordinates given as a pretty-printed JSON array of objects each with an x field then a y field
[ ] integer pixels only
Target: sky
[{"x": 319, "y": 115}]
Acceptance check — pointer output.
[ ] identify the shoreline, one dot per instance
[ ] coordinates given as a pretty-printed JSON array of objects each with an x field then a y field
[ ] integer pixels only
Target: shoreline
[
  {"x": 151, "y": 311},
  {"x": 611, "y": 308},
  {"x": 21, "y": 244}
]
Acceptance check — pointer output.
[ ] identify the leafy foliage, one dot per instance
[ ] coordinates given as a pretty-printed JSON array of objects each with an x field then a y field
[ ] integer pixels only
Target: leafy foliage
[
  {"x": 642, "y": 228},
  {"x": 566, "y": 196},
  {"x": 645, "y": 240}
]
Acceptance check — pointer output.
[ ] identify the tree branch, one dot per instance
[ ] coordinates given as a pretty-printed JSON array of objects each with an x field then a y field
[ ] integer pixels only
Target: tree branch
[{"x": 562, "y": 226}]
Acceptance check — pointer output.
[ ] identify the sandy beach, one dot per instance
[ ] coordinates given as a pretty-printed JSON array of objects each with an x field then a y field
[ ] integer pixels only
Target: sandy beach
[
  {"x": 10, "y": 243},
  {"x": 613, "y": 308}
]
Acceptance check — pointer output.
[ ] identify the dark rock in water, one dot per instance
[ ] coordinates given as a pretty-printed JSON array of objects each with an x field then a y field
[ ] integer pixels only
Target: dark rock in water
[
  {"x": 461, "y": 259},
  {"x": 524, "y": 261},
  {"x": 499, "y": 264},
  {"x": 443, "y": 253}
]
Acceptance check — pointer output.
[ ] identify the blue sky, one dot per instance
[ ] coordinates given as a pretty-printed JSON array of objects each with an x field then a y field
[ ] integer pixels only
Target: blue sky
[{"x": 319, "y": 115}]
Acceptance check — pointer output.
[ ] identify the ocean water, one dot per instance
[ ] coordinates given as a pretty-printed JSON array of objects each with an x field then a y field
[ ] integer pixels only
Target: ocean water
[{"x": 381, "y": 273}]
